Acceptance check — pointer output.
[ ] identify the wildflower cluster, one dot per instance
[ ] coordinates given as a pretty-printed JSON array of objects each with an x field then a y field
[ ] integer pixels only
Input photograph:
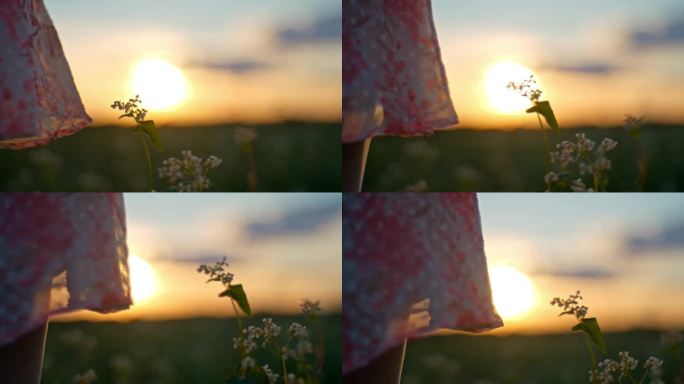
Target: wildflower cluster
[
  {"x": 217, "y": 272},
  {"x": 607, "y": 369},
  {"x": 575, "y": 160},
  {"x": 526, "y": 88},
  {"x": 86, "y": 377},
  {"x": 633, "y": 124},
  {"x": 571, "y": 306},
  {"x": 131, "y": 109},
  {"x": 189, "y": 173},
  {"x": 244, "y": 136}
]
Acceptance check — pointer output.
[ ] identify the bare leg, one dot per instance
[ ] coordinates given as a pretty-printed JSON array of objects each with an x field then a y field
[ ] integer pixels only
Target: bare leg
[
  {"x": 385, "y": 369},
  {"x": 22, "y": 361},
  {"x": 354, "y": 165}
]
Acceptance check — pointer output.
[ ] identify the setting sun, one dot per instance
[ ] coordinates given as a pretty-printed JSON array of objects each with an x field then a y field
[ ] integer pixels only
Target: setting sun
[
  {"x": 499, "y": 98},
  {"x": 512, "y": 291},
  {"x": 160, "y": 84},
  {"x": 144, "y": 282}
]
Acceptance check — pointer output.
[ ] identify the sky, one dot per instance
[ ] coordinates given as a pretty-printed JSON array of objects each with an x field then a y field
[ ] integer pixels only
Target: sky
[
  {"x": 625, "y": 252},
  {"x": 595, "y": 61},
  {"x": 281, "y": 247},
  {"x": 249, "y": 61}
]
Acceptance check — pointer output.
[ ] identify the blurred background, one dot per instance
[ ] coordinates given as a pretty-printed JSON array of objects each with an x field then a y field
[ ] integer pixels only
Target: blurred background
[
  {"x": 213, "y": 66},
  {"x": 594, "y": 61},
  {"x": 282, "y": 247},
  {"x": 623, "y": 251}
]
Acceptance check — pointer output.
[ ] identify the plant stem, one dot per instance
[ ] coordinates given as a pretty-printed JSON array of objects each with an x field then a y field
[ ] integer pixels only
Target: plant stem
[
  {"x": 593, "y": 358},
  {"x": 150, "y": 185},
  {"x": 240, "y": 329},
  {"x": 547, "y": 158},
  {"x": 282, "y": 360},
  {"x": 596, "y": 182}
]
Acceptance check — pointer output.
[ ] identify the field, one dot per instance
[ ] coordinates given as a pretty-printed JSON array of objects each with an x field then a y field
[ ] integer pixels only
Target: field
[
  {"x": 490, "y": 160},
  {"x": 289, "y": 157},
  {"x": 165, "y": 352},
  {"x": 553, "y": 359}
]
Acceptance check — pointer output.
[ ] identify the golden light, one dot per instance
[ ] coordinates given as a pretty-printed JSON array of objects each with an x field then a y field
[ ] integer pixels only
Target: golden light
[
  {"x": 160, "y": 84},
  {"x": 512, "y": 291},
  {"x": 144, "y": 284},
  {"x": 500, "y": 99}
]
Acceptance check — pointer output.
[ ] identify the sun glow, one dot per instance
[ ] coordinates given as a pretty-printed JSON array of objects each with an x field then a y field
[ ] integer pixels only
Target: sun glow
[
  {"x": 499, "y": 98},
  {"x": 160, "y": 84},
  {"x": 513, "y": 292},
  {"x": 144, "y": 284}
]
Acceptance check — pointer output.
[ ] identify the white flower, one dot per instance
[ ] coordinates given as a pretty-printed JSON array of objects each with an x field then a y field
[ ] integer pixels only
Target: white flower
[
  {"x": 244, "y": 136},
  {"x": 602, "y": 164},
  {"x": 607, "y": 145},
  {"x": 272, "y": 377},
  {"x": 578, "y": 186},
  {"x": 297, "y": 330},
  {"x": 551, "y": 178},
  {"x": 270, "y": 328},
  {"x": 632, "y": 123},
  {"x": 87, "y": 377},
  {"x": 627, "y": 362},
  {"x": 247, "y": 363},
  {"x": 310, "y": 308},
  {"x": 584, "y": 144},
  {"x": 189, "y": 173}
]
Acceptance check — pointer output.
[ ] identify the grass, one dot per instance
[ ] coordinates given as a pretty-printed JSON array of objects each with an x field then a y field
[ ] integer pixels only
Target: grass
[
  {"x": 511, "y": 161},
  {"x": 165, "y": 352},
  {"x": 289, "y": 157},
  {"x": 553, "y": 359}
]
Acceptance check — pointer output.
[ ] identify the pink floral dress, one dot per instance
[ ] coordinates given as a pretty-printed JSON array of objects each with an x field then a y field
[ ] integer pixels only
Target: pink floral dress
[
  {"x": 392, "y": 73},
  {"x": 412, "y": 263},
  {"x": 38, "y": 98},
  {"x": 60, "y": 252}
]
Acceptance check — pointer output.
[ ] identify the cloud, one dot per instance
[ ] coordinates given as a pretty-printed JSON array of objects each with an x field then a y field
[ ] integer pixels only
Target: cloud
[
  {"x": 295, "y": 222},
  {"x": 672, "y": 32},
  {"x": 237, "y": 66},
  {"x": 670, "y": 237},
  {"x": 324, "y": 30},
  {"x": 592, "y": 68},
  {"x": 580, "y": 273}
]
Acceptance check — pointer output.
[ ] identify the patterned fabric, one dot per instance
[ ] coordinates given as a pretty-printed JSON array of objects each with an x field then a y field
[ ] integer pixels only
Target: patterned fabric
[
  {"x": 60, "y": 252},
  {"x": 38, "y": 98},
  {"x": 412, "y": 263},
  {"x": 393, "y": 78}
]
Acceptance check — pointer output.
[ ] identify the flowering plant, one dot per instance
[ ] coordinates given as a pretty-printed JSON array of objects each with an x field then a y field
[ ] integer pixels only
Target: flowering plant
[
  {"x": 605, "y": 371},
  {"x": 145, "y": 130},
  {"x": 299, "y": 359}
]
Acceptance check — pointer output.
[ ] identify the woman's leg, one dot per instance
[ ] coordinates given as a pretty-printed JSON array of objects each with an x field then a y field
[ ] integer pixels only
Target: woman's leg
[
  {"x": 385, "y": 369},
  {"x": 354, "y": 164},
  {"x": 22, "y": 361}
]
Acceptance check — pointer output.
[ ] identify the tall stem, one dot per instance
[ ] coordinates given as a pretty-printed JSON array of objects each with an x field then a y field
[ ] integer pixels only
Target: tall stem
[
  {"x": 547, "y": 158},
  {"x": 240, "y": 329},
  {"x": 593, "y": 359},
  {"x": 150, "y": 185}
]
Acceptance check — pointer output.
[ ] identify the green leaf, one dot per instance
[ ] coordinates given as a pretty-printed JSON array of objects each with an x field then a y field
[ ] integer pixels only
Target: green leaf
[
  {"x": 544, "y": 108},
  {"x": 150, "y": 129},
  {"x": 237, "y": 293},
  {"x": 590, "y": 327}
]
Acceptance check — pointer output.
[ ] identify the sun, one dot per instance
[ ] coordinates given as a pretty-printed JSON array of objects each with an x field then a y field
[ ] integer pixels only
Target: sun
[
  {"x": 513, "y": 292},
  {"x": 499, "y": 98},
  {"x": 160, "y": 84},
  {"x": 144, "y": 284}
]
